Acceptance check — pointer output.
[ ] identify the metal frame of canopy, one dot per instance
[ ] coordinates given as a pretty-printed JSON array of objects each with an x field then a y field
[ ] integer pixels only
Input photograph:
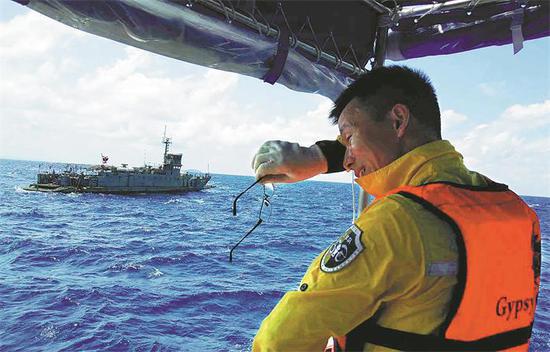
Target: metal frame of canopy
[
  {"x": 388, "y": 17},
  {"x": 268, "y": 30}
]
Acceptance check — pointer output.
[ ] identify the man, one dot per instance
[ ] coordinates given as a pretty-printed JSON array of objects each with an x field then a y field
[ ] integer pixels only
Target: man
[{"x": 444, "y": 259}]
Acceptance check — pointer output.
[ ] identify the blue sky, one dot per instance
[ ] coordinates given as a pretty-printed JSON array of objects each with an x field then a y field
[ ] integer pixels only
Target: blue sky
[{"x": 69, "y": 96}]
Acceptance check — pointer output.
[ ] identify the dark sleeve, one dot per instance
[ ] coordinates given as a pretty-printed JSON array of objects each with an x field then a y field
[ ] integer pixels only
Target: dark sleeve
[{"x": 334, "y": 153}]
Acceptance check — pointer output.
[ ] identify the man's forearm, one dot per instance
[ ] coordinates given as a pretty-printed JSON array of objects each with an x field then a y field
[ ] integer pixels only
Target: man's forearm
[{"x": 334, "y": 152}]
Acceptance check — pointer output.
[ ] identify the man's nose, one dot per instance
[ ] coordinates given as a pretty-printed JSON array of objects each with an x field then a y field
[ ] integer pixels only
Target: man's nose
[{"x": 348, "y": 160}]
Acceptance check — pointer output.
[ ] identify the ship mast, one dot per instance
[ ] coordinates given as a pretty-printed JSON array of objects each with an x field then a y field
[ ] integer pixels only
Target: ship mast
[{"x": 166, "y": 141}]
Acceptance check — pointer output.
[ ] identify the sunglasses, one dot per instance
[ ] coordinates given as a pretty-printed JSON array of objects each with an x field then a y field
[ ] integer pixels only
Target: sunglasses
[{"x": 263, "y": 214}]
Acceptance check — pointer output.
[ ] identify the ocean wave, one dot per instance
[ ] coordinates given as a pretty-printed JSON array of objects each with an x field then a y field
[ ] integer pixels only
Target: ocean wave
[
  {"x": 24, "y": 214},
  {"x": 213, "y": 301},
  {"x": 182, "y": 259},
  {"x": 19, "y": 189},
  {"x": 155, "y": 273},
  {"x": 35, "y": 260},
  {"x": 49, "y": 331},
  {"x": 20, "y": 244},
  {"x": 125, "y": 267},
  {"x": 173, "y": 201}
]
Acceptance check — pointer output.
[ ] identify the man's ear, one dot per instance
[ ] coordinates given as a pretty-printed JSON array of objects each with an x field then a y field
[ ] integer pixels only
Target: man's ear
[{"x": 400, "y": 116}]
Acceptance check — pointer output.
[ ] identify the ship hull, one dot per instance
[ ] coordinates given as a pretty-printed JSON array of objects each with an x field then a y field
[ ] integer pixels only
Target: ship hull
[
  {"x": 51, "y": 188},
  {"x": 109, "y": 179}
]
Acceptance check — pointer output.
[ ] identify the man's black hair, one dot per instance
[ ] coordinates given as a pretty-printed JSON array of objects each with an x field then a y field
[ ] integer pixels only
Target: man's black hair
[{"x": 380, "y": 89}]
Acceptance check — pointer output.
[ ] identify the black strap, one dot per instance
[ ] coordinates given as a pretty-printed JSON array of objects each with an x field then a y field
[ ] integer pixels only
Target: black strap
[
  {"x": 492, "y": 186},
  {"x": 458, "y": 290},
  {"x": 280, "y": 57},
  {"x": 370, "y": 332}
]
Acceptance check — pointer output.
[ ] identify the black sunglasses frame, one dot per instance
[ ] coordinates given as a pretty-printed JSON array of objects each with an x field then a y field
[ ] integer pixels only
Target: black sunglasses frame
[{"x": 265, "y": 202}]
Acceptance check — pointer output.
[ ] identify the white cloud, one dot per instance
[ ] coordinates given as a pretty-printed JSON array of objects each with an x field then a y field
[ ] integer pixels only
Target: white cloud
[
  {"x": 512, "y": 148},
  {"x": 32, "y": 35},
  {"x": 53, "y": 108},
  {"x": 492, "y": 89},
  {"x": 528, "y": 116},
  {"x": 451, "y": 119}
]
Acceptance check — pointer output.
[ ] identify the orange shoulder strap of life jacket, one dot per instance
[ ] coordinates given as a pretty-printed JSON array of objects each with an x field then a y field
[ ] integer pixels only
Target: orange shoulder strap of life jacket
[{"x": 493, "y": 304}]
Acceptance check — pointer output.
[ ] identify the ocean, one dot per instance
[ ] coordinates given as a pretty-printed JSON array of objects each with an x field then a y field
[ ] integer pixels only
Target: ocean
[{"x": 85, "y": 272}]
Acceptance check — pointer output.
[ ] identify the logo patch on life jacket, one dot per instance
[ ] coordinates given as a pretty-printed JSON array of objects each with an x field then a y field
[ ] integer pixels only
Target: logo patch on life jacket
[{"x": 343, "y": 251}]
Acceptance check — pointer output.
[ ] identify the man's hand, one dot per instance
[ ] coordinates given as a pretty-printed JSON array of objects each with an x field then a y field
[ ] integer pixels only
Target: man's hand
[{"x": 285, "y": 162}]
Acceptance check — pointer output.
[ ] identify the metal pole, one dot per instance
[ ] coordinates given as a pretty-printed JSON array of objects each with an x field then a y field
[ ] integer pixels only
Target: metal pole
[
  {"x": 378, "y": 7},
  {"x": 420, "y": 10},
  {"x": 379, "y": 58},
  {"x": 380, "y": 47}
]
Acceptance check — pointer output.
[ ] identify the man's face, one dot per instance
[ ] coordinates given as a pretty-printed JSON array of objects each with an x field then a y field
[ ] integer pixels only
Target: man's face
[{"x": 370, "y": 145}]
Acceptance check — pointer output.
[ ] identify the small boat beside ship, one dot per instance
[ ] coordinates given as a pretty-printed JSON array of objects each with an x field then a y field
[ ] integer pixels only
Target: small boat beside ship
[{"x": 104, "y": 178}]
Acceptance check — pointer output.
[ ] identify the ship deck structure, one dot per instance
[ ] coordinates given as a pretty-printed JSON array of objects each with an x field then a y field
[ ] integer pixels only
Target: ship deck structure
[{"x": 104, "y": 178}]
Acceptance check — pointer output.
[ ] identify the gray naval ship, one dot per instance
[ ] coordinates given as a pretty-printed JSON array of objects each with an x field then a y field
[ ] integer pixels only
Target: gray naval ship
[{"x": 104, "y": 178}]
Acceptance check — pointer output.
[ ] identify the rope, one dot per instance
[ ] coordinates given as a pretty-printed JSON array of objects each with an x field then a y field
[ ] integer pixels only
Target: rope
[{"x": 353, "y": 197}]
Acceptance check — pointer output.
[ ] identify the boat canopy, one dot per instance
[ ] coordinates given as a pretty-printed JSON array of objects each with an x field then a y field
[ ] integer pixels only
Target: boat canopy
[{"x": 308, "y": 46}]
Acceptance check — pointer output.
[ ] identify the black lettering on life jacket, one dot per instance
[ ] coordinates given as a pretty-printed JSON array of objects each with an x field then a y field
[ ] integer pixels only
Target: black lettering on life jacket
[
  {"x": 501, "y": 308},
  {"x": 512, "y": 308}
]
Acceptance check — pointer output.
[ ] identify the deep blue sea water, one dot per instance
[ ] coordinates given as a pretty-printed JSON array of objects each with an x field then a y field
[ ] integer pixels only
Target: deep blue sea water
[{"x": 151, "y": 272}]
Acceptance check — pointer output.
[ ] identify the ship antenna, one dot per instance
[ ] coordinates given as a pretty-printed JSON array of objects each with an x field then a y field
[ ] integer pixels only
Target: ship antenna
[{"x": 166, "y": 142}]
